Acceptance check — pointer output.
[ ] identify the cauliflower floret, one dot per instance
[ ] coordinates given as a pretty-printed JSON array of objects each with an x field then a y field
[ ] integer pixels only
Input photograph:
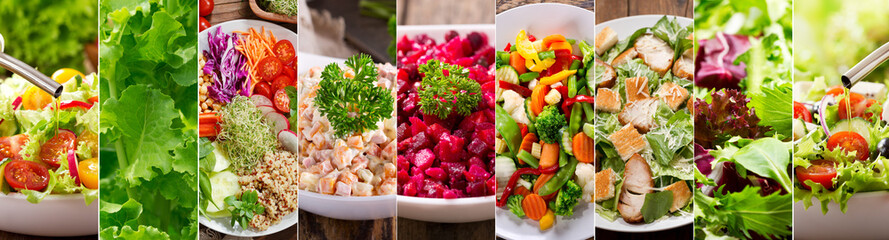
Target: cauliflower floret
[
  {"x": 553, "y": 97},
  {"x": 585, "y": 173},
  {"x": 512, "y": 100}
]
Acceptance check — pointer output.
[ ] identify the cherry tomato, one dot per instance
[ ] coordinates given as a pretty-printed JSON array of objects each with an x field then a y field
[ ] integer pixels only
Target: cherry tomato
[
  {"x": 821, "y": 172},
  {"x": 290, "y": 72},
  {"x": 53, "y": 150},
  {"x": 850, "y": 141},
  {"x": 282, "y": 102},
  {"x": 284, "y": 51},
  {"x": 264, "y": 89},
  {"x": 858, "y": 105},
  {"x": 281, "y": 81},
  {"x": 835, "y": 91},
  {"x": 206, "y": 7},
  {"x": 88, "y": 171},
  {"x": 21, "y": 174},
  {"x": 10, "y": 146},
  {"x": 269, "y": 68},
  {"x": 800, "y": 111},
  {"x": 88, "y": 138},
  {"x": 204, "y": 24}
]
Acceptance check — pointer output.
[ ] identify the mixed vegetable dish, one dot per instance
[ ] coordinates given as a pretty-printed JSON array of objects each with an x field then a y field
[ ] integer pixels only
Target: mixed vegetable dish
[
  {"x": 644, "y": 126},
  {"x": 544, "y": 109}
]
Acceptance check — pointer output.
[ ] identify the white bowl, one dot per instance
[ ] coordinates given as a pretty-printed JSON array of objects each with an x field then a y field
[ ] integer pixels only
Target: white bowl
[
  {"x": 347, "y": 208},
  {"x": 571, "y": 22},
  {"x": 222, "y": 224},
  {"x": 865, "y": 218},
  {"x": 58, "y": 215},
  {"x": 624, "y": 27}
]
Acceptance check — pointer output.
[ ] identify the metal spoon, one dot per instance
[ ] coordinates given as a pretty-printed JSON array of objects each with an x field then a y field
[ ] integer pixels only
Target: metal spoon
[
  {"x": 866, "y": 66},
  {"x": 29, "y": 73}
]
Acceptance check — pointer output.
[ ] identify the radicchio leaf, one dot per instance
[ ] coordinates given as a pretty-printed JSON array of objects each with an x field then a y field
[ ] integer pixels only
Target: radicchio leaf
[{"x": 714, "y": 65}]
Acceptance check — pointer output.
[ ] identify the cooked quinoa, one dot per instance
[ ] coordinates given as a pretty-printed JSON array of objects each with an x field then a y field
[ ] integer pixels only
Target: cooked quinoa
[{"x": 274, "y": 179}]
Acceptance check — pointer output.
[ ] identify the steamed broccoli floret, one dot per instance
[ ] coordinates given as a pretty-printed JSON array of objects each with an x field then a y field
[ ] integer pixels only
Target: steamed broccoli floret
[
  {"x": 515, "y": 205},
  {"x": 548, "y": 124},
  {"x": 567, "y": 199}
]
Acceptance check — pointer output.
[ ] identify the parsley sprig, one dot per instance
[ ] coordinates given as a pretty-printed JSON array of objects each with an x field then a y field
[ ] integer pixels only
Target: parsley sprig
[
  {"x": 447, "y": 88},
  {"x": 350, "y": 100},
  {"x": 243, "y": 209}
]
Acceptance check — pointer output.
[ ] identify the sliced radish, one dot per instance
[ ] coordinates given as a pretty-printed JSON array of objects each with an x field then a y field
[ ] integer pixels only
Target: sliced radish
[
  {"x": 266, "y": 109},
  {"x": 260, "y": 100},
  {"x": 289, "y": 140},
  {"x": 72, "y": 165},
  {"x": 278, "y": 121},
  {"x": 825, "y": 101}
]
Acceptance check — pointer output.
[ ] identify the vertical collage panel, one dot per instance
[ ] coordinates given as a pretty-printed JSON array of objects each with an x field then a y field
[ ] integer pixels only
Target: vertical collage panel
[
  {"x": 446, "y": 130},
  {"x": 248, "y": 141},
  {"x": 839, "y": 127},
  {"x": 545, "y": 160},
  {"x": 743, "y": 128},
  {"x": 644, "y": 127},
  {"x": 347, "y": 122}
]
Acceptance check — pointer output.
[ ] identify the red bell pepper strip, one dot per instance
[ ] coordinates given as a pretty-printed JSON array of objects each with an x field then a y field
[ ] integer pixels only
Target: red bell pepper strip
[
  {"x": 525, "y": 92},
  {"x": 551, "y": 169},
  {"x": 566, "y": 105},
  {"x": 72, "y": 103},
  {"x": 507, "y": 192},
  {"x": 508, "y": 46}
]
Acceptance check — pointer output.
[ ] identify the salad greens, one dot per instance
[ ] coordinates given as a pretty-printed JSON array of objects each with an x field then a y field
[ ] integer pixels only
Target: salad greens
[{"x": 149, "y": 120}]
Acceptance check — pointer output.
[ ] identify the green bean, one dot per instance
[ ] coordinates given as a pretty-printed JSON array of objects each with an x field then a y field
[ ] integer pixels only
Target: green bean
[
  {"x": 576, "y": 117},
  {"x": 529, "y": 159},
  {"x": 572, "y": 86}
]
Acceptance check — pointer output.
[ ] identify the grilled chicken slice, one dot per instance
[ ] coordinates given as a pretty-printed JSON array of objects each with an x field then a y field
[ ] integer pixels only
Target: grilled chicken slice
[
  {"x": 627, "y": 141},
  {"x": 607, "y": 100},
  {"x": 637, "y": 88},
  {"x": 608, "y": 77},
  {"x": 656, "y": 53},
  {"x": 681, "y": 195},
  {"x": 673, "y": 94},
  {"x": 639, "y": 114},
  {"x": 604, "y": 185},
  {"x": 625, "y": 57},
  {"x": 605, "y": 40},
  {"x": 637, "y": 183}
]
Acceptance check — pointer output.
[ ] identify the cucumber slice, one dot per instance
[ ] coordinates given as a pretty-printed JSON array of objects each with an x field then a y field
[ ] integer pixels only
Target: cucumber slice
[
  {"x": 508, "y": 74},
  {"x": 799, "y": 129},
  {"x": 528, "y": 111},
  {"x": 857, "y": 125}
]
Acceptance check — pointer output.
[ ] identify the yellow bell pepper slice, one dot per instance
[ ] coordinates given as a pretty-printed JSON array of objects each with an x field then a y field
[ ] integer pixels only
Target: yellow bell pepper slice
[
  {"x": 548, "y": 40},
  {"x": 548, "y": 220},
  {"x": 558, "y": 77}
]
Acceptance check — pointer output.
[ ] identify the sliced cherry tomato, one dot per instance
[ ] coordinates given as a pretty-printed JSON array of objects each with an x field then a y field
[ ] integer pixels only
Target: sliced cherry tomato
[
  {"x": 284, "y": 51},
  {"x": 269, "y": 68},
  {"x": 800, "y": 111},
  {"x": 10, "y": 146},
  {"x": 821, "y": 172},
  {"x": 835, "y": 91},
  {"x": 52, "y": 151},
  {"x": 88, "y": 138},
  {"x": 206, "y": 7},
  {"x": 281, "y": 81},
  {"x": 204, "y": 24},
  {"x": 858, "y": 104},
  {"x": 282, "y": 102},
  {"x": 21, "y": 174},
  {"x": 88, "y": 171},
  {"x": 850, "y": 141},
  {"x": 264, "y": 89},
  {"x": 290, "y": 72}
]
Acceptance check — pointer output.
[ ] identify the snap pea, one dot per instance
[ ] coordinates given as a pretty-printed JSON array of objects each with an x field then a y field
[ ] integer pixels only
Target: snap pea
[
  {"x": 576, "y": 116},
  {"x": 563, "y": 158},
  {"x": 512, "y": 48},
  {"x": 206, "y": 188},
  {"x": 562, "y": 176},
  {"x": 572, "y": 86},
  {"x": 529, "y": 159},
  {"x": 509, "y": 130},
  {"x": 528, "y": 76},
  {"x": 588, "y": 111},
  {"x": 570, "y": 41},
  {"x": 504, "y": 56}
]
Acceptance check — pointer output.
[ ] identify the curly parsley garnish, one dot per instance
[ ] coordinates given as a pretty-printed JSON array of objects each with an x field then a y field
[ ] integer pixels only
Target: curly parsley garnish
[
  {"x": 350, "y": 100},
  {"x": 447, "y": 88}
]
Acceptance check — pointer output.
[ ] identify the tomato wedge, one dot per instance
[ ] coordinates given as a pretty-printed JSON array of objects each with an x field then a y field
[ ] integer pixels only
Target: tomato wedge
[
  {"x": 284, "y": 50},
  {"x": 849, "y": 141},
  {"x": 282, "y": 102},
  {"x": 800, "y": 111},
  {"x": 10, "y": 146},
  {"x": 269, "y": 68},
  {"x": 835, "y": 91},
  {"x": 821, "y": 172},
  {"x": 52, "y": 151},
  {"x": 858, "y": 104},
  {"x": 21, "y": 174},
  {"x": 281, "y": 81}
]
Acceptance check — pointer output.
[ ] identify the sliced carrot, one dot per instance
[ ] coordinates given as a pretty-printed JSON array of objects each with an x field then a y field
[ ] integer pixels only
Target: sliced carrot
[
  {"x": 534, "y": 206},
  {"x": 208, "y": 130},
  {"x": 208, "y": 118},
  {"x": 521, "y": 190},
  {"x": 528, "y": 141},
  {"x": 584, "y": 148},
  {"x": 549, "y": 156},
  {"x": 517, "y": 62},
  {"x": 542, "y": 179},
  {"x": 538, "y": 98}
]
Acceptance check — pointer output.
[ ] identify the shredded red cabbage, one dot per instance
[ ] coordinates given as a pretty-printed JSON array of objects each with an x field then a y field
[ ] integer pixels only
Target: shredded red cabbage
[
  {"x": 225, "y": 65},
  {"x": 714, "y": 65}
]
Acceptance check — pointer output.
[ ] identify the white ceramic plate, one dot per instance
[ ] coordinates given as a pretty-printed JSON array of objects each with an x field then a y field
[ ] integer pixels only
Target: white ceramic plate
[
  {"x": 436, "y": 209},
  {"x": 624, "y": 27},
  {"x": 222, "y": 224},
  {"x": 575, "y": 23},
  {"x": 339, "y": 207},
  {"x": 67, "y": 214},
  {"x": 865, "y": 218}
]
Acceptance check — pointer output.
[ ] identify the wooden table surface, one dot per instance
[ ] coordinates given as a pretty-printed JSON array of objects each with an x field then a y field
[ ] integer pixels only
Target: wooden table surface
[
  {"x": 503, "y": 5},
  {"x": 413, "y": 229},
  {"x": 15, "y": 236},
  {"x": 366, "y": 34},
  {"x": 227, "y": 10},
  {"x": 315, "y": 227},
  {"x": 612, "y": 9},
  {"x": 437, "y": 12},
  {"x": 684, "y": 233}
]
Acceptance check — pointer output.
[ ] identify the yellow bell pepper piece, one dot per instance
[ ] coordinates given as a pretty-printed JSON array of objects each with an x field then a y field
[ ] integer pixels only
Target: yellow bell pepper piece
[
  {"x": 558, "y": 77},
  {"x": 547, "y": 221}
]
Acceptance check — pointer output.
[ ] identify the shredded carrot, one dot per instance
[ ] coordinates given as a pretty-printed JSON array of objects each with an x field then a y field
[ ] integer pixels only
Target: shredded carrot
[{"x": 255, "y": 46}]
